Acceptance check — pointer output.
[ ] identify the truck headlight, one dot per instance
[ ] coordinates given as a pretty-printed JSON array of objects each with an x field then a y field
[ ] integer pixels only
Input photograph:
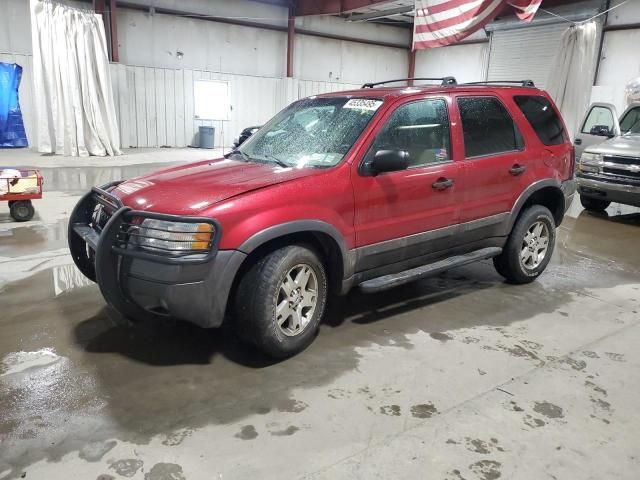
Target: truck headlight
[
  {"x": 173, "y": 237},
  {"x": 590, "y": 162},
  {"x": 590, "y": 158}
]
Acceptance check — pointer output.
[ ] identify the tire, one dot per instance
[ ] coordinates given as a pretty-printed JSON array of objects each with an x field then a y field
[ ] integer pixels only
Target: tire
[
  {"x": 21, "y": 210},
  {"x": 278, "y": 323},
  {"x": 522, "y": 259},
  {"x": 594, "y": 204}
]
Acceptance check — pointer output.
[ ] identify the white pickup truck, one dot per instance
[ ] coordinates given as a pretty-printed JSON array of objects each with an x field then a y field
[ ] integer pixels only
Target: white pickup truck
[{"x": 608, "y": 150}]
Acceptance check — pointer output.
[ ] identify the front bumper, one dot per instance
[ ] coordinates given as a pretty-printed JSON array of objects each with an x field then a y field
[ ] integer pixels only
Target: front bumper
[
  {"x": 194, "y": 288},
  {"x": 626, "y": 192}
]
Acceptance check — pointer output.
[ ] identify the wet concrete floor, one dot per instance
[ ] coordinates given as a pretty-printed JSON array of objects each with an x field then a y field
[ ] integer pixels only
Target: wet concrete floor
[{"x": 456, "y": 377}]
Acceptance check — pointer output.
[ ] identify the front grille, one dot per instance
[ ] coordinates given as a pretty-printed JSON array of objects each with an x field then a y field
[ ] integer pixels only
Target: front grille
[
  {"x": 622, "y": 160},
  {"x": 621, "y": 172},
  {"x": 100, "y": 217}
]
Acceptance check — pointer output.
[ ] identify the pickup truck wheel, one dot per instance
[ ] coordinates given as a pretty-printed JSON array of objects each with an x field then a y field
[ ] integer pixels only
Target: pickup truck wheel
[
  {"x": 280, "y": 301},
  {"x": 594, "y": 204},
  {"x": 529, "y": 247}
]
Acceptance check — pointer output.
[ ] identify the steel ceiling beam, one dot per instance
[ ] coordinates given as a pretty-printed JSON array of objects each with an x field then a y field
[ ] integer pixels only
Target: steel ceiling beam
[
  {"x": 332, "y": 7},
  {"x": 358, "y": 17}
]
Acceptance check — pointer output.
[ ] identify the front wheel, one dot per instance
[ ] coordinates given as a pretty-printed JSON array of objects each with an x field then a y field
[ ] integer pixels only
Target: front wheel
[
  {"x": 21, "y": 210},
  {"x": 594, "y": 204},
  {"x": 529, "y": 247},
  {"x": 281, "y": 299}
]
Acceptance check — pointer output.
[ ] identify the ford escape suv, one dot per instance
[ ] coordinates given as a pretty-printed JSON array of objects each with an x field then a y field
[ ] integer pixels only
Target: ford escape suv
[{"x": 369, "y": 188}]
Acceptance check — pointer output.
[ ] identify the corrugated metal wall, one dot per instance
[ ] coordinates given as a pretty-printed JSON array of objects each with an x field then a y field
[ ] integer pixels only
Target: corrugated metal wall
[
  {"x": 155, "y": 106},
  {"x": 524, "y": 53}
]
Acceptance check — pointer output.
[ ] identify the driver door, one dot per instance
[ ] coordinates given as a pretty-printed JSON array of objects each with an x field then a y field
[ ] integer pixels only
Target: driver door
[
  {"x": 403, "y": 214},
  {"x": 591, "y": 131}
]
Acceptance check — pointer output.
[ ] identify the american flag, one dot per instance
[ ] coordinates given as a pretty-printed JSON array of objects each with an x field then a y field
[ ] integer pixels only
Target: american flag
[{"x": 443, "y": 22}]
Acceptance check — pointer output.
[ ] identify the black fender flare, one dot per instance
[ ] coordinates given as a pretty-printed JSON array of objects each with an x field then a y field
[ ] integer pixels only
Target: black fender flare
[
  {"x": 301, "y": 226},
  {"x": 525, "y": 195}
]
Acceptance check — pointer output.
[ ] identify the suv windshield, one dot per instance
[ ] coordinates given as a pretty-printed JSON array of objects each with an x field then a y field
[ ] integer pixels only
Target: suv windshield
[
  {"x": 314, "y": 132},
  {"x": 630, "y": 123}
]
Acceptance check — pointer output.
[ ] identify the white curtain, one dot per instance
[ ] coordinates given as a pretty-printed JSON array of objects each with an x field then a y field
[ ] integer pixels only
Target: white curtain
[
  {"x": 75, "y": 109},
  {"x": 571, "y": 76}
]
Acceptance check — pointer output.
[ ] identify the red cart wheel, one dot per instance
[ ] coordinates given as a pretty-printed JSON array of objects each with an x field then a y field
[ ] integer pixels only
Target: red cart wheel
[{"x": 21, "y": 210}]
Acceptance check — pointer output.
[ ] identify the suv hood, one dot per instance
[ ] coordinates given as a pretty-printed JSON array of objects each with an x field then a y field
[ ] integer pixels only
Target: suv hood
[
  {"x": 624, "y": 145},
  {"x": 190, "y": 188}
]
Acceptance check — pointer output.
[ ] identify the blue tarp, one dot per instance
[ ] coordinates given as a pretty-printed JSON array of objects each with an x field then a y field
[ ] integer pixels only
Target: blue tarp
[{"x": 12, "y": 133}]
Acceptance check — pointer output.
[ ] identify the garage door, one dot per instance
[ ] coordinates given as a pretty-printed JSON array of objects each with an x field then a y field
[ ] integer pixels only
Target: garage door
[{"x": 524, "y": 53}]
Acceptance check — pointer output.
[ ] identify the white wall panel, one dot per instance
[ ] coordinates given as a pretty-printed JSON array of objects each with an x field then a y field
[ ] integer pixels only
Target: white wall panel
[
  {"x": 467, "y": 63},
  {"x": 619, "y": 64},
  {"x": 624, "y": 13},
  {"x": 341, "y": 61},
  {"x": 155, "y": 105}
]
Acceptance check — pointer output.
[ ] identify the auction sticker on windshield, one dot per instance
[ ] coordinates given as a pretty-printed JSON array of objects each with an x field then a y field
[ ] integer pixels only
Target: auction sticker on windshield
[{"x": 363, "y": 104}]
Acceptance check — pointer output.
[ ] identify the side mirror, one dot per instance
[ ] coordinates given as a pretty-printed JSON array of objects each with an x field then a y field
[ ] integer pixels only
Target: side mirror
[
  {"x": 601, "y": 131},
  {"x": 389, "y": 161}
]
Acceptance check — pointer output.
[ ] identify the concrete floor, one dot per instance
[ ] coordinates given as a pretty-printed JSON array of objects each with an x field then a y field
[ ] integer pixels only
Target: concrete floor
[{"x": 456, "y": 377}]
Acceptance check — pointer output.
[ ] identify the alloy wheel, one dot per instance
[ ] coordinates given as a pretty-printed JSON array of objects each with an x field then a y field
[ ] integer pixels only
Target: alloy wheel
[
  {"x": 535, "y": 245},
  {"x": 296, "y": 300}
]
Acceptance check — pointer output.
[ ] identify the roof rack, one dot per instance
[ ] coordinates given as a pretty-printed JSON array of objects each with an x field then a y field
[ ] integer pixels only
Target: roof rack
[
  {"x": 524, "y": 83},
  {"x": 444, "y": 81}
]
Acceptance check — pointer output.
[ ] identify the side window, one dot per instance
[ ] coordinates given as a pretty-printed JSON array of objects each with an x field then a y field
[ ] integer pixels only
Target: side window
[
  {"x": 631, "y": 121},
  {"x": 487, "y": 127},
  {"x": 598, "y": 116},
  {"x": 543, "y": 118},
  {"x": 421, "y": 128}
]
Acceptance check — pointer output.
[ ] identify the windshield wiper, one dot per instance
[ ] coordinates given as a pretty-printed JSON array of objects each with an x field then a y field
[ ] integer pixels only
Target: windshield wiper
[
  {"x": 244, "y": 156},
  {"x": 281, "y": 163}
]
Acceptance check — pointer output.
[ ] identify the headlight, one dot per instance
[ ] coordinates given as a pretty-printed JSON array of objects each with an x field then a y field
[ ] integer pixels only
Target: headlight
[
  {"x": 173, "y": 237},
  {"x": 590, "y": 158}
]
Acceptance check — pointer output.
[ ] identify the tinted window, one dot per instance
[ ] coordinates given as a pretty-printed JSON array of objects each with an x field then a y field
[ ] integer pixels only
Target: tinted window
[
  {"x": 543, "y": 119},
  {"x": 598, "y": 116},
  {"x": 631, "y": 121},
  {"x": 421, "y": 128},
  {"x": 487, "y": 126}
]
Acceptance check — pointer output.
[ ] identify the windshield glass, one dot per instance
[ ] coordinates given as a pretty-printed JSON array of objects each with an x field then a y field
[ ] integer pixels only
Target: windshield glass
[
  {"x": 314, "y": 132},
  {"x": 630, "y": 123}
]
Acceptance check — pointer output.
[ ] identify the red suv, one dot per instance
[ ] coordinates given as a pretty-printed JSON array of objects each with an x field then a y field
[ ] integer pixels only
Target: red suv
[{"x": 370, "y": 188}]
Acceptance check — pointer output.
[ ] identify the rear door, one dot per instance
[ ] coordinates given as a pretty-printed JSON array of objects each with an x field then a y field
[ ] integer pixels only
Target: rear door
[
  {"x": 599, "y": 116},
  {"x": 396, "y": 211},
  {"x": 497, "y": 165},
  {"x": 553, "y": 146}
]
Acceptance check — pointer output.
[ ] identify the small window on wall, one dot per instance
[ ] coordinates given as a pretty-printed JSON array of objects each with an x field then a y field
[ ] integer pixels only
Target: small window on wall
[
  {"x": 598, "y": 116},
  {"x": 211, "y": 100},
  {"x": 542, "y": 117},
  {"x": 487, "y": 127}
]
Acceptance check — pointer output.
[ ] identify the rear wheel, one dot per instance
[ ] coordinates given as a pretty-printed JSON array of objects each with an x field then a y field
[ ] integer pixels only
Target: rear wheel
[
  {"x": 529, "y": 247},
  {"x": 280, "y": 301},
  {"x": 21, "y": 210},
  {"x": 594, "y": 204}
]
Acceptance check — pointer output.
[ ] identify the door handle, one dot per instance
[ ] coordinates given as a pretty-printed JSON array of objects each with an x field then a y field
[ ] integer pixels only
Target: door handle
[
  {"x": 442, "y": 183},
  {"x": 517, "y": 170},
  {"x": 578, "y": 141}
]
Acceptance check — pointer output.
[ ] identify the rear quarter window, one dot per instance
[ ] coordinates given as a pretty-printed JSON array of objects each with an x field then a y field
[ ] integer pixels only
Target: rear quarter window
[{"x": 542, "y": 117}]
